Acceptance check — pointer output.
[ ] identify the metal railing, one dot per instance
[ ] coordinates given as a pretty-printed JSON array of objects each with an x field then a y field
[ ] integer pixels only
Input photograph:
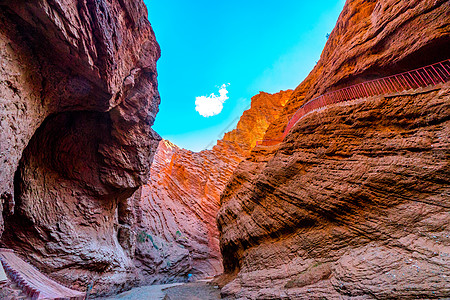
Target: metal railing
[
  {"x": 418, "y": 78},
  {"x": 268, "y": 142}
]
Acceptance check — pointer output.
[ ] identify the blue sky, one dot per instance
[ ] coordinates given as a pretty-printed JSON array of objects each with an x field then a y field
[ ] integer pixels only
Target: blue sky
[{"x": 244, "y": 46}]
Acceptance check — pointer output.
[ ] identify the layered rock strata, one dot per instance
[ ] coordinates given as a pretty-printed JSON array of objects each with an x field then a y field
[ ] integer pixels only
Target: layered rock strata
[
  {"x": 354, "y": 204},
  {"x": 78, "y": 97},
  {"x": 177, "y": 235},
  {"x": 373, "y": 39}
]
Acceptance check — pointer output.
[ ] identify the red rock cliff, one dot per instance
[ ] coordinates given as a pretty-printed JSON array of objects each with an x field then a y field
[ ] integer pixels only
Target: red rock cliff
[
  {"x": 78, "y": 96},
  {"x": 354, "y": 204},
  {"x": 178, "y": 233},
  {"x": 373, "y": 39}
]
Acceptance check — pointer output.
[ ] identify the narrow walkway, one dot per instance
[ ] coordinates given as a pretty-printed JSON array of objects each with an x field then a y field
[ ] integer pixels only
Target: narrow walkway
[
  {"x": 34, "y": 284},
  {"x": 431, "y": 75}
]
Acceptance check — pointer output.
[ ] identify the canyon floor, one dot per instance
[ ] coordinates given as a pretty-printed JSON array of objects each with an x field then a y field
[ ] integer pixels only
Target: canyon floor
[
  {"x": 199, "y": 290},
  {"x": 350, "y": 202}
]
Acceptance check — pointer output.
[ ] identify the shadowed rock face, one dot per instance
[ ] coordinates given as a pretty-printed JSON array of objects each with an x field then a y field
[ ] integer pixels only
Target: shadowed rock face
[
  {"x": 354, "y": 202},
  {"x": 177, "y": 233},
  {"x": 78, "y": 97}
]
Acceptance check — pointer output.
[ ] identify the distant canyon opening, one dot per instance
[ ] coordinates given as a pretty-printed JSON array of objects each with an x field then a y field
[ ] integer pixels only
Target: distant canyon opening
[{"x": 354, "y": 195}]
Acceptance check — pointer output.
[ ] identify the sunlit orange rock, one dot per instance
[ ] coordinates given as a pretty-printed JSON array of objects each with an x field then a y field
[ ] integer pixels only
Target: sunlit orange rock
[
  {"x": 373, "y": 39},
  {"x": 354, "y": 203},
  {"x": 181, "y": 199}
]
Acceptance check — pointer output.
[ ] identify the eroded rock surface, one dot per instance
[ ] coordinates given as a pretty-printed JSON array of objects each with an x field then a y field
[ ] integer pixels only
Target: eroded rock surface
[
  {"x": 373, "y": 39},
  {"x": 178, "y": 235},
  {"x": 355, "y": 202},
  {"x": 78, "y": 96}
]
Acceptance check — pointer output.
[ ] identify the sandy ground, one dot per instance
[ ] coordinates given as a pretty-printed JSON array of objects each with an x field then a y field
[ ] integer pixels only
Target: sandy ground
[
  {"x": 200, "y": 290},
  {"x": 151, "y": 292}
]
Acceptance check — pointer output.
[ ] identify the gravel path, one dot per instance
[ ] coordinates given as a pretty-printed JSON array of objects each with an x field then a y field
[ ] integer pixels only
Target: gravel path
[
  {"x": 200, "y": 290},
  {"x": 150, "y": 292}
]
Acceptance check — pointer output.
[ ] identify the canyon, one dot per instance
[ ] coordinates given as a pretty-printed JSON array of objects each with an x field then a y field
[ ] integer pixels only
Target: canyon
[
  {"x": 179, "y": 203},
  {"x": 352, "y": 204}
]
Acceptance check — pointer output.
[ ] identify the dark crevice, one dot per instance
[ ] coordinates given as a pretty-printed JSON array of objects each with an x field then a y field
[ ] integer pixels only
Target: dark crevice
[
  {"x": 63, "y": 151},
  {"x": 429, "y": 54}
]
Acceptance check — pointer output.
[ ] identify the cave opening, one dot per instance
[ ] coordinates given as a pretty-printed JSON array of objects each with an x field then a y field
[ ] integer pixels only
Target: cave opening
[
  {"x": 432, "y": 53},
  {"x": 60, "y": 199},
  {"x": 429, "y": 54}
]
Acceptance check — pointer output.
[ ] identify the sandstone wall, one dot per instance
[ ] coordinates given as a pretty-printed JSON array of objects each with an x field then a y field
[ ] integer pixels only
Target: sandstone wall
[
  {"x": 373, "y": 39},
  {"x": 78, "y": 96},
  {"x": 354, "y": 202},
  {"x": 178, "y": 235}
]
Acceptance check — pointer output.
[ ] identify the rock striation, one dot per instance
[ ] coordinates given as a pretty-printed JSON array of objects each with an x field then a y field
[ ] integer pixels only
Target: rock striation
[
  {"x": 78, "y": 96},
  {"x": 354, "y": 203},
  {"x": 373, "y": 39},
  {"x": 177, "y": 233}
]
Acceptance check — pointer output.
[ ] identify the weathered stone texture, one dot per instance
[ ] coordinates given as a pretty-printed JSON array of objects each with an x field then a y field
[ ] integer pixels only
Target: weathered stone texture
[
  {"x": 361, "y": 188},
  {"x": 78, "y": 96},
  {"x": 373, "y": 39},
  {"x": 354, "y": 203},
  {"x": 178, "y": 233}
]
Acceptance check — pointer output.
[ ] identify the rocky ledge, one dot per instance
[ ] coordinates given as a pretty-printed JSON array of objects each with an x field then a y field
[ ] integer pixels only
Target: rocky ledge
[{"x": 353, "y": 204}]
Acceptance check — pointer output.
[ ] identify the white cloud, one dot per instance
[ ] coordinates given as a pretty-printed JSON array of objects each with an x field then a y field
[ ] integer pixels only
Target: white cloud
[{"x": 213, "y": 104}]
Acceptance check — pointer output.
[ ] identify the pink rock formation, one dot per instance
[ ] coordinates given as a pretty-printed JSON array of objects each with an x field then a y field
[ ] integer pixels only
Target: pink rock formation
[
  {"x": 78, "y": 96},
  {"x": 354, "y": 203},
  {"x": 178, "y": 234}
]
